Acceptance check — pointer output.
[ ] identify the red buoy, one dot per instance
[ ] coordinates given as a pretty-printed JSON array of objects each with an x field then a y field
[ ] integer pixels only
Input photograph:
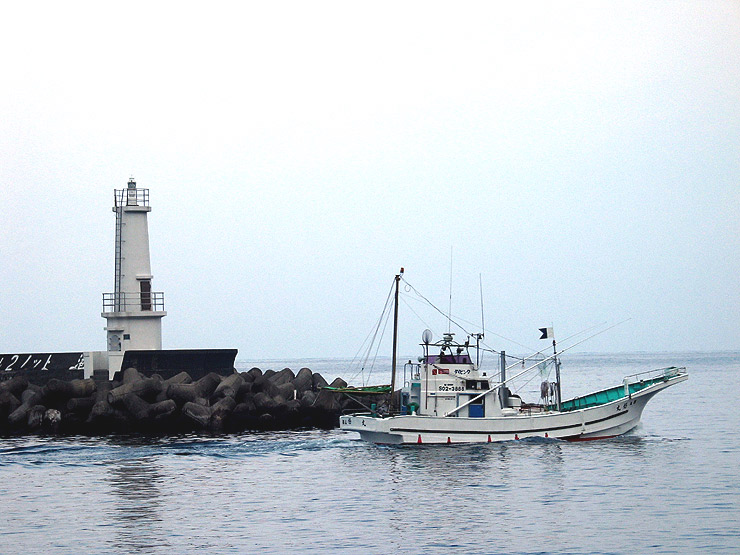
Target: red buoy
[
  {"x": 419, "y": 440},
  {"x": 448, "y": 439},
  {"x": 546, "y": 435},
  {"x": 516, "y": 436},
  {"x": 489, "y": 438}
]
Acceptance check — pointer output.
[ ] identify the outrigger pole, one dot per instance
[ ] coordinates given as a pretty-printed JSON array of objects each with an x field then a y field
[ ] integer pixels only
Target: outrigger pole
[
  {"x": 395, "y": 340},
  {"x": 488, "y": 392}
]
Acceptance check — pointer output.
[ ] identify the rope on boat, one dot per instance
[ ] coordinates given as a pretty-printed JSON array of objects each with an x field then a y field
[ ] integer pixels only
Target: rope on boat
[{"x": 382, "y": 321}]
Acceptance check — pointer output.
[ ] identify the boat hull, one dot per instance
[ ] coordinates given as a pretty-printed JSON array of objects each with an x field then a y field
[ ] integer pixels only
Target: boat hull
[{"x": 599, "y": 422}]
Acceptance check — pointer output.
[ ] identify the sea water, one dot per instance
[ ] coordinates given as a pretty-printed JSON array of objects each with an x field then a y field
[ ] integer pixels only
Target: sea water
[{"x": 670, "y": 486}]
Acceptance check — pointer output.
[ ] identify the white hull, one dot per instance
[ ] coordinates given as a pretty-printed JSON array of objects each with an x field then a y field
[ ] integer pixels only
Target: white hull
[{"x": 603, "y": 421}]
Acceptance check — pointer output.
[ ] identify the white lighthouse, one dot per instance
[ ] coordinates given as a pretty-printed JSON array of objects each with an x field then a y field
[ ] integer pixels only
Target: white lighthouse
[{"x": 133, "y": 311}]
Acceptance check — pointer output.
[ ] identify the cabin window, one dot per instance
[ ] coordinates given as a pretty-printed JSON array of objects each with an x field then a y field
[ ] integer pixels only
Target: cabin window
[{"x": 146, "y": 294}]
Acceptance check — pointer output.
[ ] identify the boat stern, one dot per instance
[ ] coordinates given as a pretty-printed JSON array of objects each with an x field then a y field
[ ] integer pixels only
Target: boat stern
[{"x": 371, "y": 428}]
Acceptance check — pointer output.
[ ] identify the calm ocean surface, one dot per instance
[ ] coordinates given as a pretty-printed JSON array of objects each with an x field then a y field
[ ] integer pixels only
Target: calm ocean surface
[{"x": 670, "y": 486}]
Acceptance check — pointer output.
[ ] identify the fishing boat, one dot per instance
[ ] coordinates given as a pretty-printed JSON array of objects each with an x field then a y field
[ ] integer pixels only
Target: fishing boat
[{"x": 446, "y": 398}]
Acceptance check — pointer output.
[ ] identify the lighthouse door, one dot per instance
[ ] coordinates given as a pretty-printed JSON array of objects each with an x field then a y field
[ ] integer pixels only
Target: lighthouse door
[{"x": 146, "y": 294}]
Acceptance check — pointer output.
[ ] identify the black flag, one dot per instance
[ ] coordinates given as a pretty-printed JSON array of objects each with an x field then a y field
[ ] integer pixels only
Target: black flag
[{"x": 547, "y": 333}]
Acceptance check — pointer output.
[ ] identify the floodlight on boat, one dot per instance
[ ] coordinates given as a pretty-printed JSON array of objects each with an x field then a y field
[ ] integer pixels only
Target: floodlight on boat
[{"x": 427, "y": 336}]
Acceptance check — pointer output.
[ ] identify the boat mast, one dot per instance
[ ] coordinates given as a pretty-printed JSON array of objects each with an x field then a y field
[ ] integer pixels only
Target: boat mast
[
  {"x": 557, "y": 370},
  {"x": 395, "y": 339},
  {"x": 548, "y": 333}
]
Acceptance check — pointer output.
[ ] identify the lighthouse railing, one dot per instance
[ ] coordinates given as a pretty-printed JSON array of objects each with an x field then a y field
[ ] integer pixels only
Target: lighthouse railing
[
  {"x": 147, "y": 301},
  {"x": 131, "y": 197}
]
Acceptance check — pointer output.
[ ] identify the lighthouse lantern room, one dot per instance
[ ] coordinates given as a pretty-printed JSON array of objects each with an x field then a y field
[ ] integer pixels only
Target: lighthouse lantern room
[{"x": 133, "y": 311}]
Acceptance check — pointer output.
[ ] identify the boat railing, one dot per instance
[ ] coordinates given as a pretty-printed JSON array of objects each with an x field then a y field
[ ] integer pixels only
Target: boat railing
[
  {"x": 653, "y": 375},
  {"x": 413, "y": 369},
  {"x": 632, "y": 384},
  {"x": 529, "y": 409}
]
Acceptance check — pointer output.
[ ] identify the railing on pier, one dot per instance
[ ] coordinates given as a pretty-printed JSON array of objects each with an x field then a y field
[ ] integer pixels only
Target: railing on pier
[{"x": 133, "y": 302}]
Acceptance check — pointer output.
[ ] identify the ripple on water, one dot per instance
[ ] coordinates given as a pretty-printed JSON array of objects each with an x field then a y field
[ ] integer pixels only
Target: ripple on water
[{"x": 674, "y": 480}]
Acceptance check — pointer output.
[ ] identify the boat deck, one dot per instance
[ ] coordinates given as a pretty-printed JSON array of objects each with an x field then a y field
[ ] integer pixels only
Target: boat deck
[{"x": 618, "y": 392}]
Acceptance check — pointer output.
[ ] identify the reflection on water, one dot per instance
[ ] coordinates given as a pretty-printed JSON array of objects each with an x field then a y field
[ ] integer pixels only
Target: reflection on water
[
  {"x": 459, "y": 493},
  {"x": 137, "y": 505}
]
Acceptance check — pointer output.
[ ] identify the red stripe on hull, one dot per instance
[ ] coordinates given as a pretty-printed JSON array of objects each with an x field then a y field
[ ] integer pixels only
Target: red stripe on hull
[{"x": 581, "y": 438}]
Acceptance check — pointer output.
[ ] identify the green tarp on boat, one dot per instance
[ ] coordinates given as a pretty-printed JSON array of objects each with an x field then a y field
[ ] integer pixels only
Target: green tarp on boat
[{"x": 368, "y": 390}]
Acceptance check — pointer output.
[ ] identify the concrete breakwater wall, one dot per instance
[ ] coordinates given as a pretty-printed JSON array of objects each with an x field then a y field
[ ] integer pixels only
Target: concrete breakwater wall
[{"x": 131, "y": 402}]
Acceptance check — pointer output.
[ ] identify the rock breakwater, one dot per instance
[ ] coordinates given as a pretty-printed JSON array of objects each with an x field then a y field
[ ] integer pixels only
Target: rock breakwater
[{"x": 132, "y": 402}]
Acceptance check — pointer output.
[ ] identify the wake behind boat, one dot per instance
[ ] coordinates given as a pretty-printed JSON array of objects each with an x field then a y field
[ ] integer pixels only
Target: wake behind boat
[{"x": 447, "y": 399}]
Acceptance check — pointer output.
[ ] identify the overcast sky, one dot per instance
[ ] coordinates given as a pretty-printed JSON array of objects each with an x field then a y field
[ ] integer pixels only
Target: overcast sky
[{"x": 580, "y": 159}]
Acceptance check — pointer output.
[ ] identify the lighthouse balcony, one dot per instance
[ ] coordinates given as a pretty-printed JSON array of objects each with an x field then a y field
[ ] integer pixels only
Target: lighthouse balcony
[
  {"x": 146, "y": 301},
  {"x": 131, "y": 197}
]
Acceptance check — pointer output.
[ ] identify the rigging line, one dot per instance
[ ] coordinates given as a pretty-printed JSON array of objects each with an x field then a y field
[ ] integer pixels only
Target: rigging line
[
  {"x": 534, "y": 375},
  {"x": 542, "y": 351},
  {"x": 488, "y": 349},
  {"x": 491, "y": 350},
  {"x": 362, "y": 372},
  {"x": 529, "y": 348},
  {"x": 412, "y": 298},
  {"x": 375, "y": 358},
  {"x": 366, "y": 347},
  {"x": 519, "y": 359},
  {"x": 558, "y": 353},
  {"x": 386, "y": 315},
  {"x": 374, "y": 333},
  {"x": 355, "y": 359},
  {"x": 522, "y": 360},
  {"x": 383, "y": 316},
  {"x": 584, "y": 331},
  {"x": 405, "y": 302},
  {"x": 505, "y": 339},
  {"x": 419, "y": 298},
  {"x": 455, "y": 321},
  {"x": 450, "y": 320}
]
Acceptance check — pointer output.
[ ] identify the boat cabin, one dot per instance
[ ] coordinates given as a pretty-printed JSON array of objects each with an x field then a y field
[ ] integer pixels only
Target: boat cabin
[{"x": 445, "y": 378}]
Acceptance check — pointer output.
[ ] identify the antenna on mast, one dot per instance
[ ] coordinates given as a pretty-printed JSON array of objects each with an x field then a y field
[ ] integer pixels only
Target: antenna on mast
[
  {"x": 482, "y": 322},
  {"x": 449, "y": 313},
  {"x": 482, "y": 333}
]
